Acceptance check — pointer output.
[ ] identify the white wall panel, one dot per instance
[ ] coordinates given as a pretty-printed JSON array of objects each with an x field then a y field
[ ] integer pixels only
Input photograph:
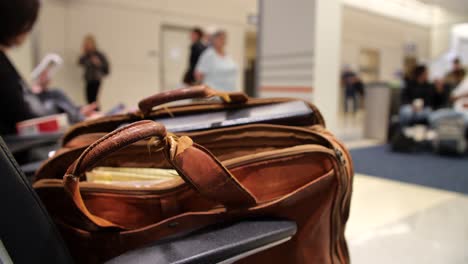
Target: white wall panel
[{"x": 21, "y": 57}]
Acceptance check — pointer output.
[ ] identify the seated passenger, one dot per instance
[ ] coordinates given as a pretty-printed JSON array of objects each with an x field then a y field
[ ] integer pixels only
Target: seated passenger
[
  {"x": 55, "y": 101},
  {"x": 456, "y": 75},
  {"x": 459, "y": 97},
  {"x": 17, "y": 102},
  {"x": 440, "y": 95},
  {"x": 416, "y": 98}
]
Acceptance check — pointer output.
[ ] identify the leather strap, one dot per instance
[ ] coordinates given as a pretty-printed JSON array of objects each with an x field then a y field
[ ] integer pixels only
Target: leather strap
[
  {"x": 201, "y": 91},
  {"x": 114, "y": 141},
  {"x": 109, "y": 143},
  {"x": 196, "y": 165}
]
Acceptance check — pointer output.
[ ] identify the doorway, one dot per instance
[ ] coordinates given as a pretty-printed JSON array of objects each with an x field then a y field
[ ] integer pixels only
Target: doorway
[{"x": 175, "y": 49}]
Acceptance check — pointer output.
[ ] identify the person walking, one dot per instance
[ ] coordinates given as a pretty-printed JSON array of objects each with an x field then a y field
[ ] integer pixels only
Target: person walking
[
  {"x": 215, "y": 67},
  {"x": 96, "y": 67},
  {"x": 196, "y": 49},
  {"x": 350, "y": 83}
]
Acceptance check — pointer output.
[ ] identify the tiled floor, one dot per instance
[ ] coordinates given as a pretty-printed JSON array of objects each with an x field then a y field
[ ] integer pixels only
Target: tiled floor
[
  {"x": 350, "y": 128},
  {"x": 394, "y": 222}
]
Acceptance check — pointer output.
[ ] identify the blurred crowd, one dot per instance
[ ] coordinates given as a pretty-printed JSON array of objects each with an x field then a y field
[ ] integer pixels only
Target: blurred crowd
[{"x": 420, "y": 98}]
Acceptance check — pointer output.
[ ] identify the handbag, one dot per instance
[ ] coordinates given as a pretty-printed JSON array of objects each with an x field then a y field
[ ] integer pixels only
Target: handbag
[{"x": 301, "y": 174}]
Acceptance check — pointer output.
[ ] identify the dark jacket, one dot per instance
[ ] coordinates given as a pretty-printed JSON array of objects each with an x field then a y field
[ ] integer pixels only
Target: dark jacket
[
  {"x": 414, "y": 90},
  {"x": 196, "y": 50},
  {"x": 17, "y": 102},
  {"x": 441, "y": 99},
  {"x": 94, "y": 72}
]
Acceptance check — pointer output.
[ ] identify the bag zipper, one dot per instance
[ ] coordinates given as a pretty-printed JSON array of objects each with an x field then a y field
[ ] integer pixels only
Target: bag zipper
[{"x": 341, "y": 247}]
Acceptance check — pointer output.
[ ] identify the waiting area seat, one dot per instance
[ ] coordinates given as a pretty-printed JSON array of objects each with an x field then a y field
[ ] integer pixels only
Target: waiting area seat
[
  {"x": 221, "y": 244},
  {"x": 31, "y": 151},
  {"x": 18, "y": 144}
]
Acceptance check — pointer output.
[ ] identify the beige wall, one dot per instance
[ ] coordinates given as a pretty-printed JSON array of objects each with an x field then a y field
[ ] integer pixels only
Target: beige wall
[
  {"x": 361, "y": 29},
  {"x": 21, "y": 57},
  {"x": 129, "y": 33}
]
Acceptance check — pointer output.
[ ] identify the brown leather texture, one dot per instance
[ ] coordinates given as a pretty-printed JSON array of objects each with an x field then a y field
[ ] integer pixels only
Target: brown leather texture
[
  {"x": 82, "y": 133},
  {"x": 260, "y": 170},
  {"x": 195, "y": 92}
]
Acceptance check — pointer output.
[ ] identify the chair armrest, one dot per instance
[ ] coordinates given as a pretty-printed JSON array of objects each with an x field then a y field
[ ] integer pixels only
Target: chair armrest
[
  {"x": 30, "y": 169},
  {"x": 22, "y": 143},
  {"x": 219, "y": 244}
]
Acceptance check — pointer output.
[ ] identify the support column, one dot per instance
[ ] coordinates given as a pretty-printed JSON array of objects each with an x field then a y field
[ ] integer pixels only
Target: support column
[
  {"x": 299, "y": 52},
  {"x": 327, "y": 60}
]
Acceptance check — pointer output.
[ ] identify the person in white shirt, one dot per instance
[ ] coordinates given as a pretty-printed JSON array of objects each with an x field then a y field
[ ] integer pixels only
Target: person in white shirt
[
  {"x": 215, "y": 68},
  {"x": 459, "y": 97}
]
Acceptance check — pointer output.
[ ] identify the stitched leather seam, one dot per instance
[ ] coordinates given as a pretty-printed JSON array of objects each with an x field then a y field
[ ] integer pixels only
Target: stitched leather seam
[
  {"x": 208, "y": 190},
  {"x": 231, "y": 179},
  {"x": 229, "y": 182},
  {"x": 106, "y": 137}
]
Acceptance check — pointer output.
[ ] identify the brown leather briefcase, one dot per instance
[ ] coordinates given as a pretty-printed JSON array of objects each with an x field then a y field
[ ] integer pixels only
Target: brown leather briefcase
[
  {"x": 156, "y": 106},
  {"x": 299, "y": 173}
]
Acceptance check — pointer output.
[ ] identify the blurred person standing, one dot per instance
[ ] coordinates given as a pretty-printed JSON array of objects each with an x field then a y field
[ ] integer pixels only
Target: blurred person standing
[
  {"x": 96, "y": 67},
  {"x": 215, "y": 68},
  {"x": 350, "y": 83},
  {"x": 17, "y": 18},
  {"x": 196, "y": 49}
]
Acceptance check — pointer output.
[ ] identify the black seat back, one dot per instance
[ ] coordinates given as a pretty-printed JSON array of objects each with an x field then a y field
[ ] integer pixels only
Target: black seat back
[{"x": 26, "y": 230}]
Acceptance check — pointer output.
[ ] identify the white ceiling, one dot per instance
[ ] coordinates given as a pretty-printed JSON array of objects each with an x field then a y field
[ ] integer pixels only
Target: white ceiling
[
  {"x": 457, "y": 6},
  {"x": 415, "y": 11},
  {"x": 399, "y": 9}
]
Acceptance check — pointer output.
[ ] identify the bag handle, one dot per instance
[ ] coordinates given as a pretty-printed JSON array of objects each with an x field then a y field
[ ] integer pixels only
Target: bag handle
[
  {"x": 196, "y": 165},
  {"x": 200, "y": 91}
]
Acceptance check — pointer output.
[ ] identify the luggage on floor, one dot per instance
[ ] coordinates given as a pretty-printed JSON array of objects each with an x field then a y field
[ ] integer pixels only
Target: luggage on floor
[
  {"x": 408, "y": 139},
  {"x": 451, "y": 134}
]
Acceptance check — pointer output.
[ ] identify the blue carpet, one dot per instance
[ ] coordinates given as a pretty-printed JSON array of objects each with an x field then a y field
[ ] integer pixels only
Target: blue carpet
[{"x": 448, "y": 173}]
